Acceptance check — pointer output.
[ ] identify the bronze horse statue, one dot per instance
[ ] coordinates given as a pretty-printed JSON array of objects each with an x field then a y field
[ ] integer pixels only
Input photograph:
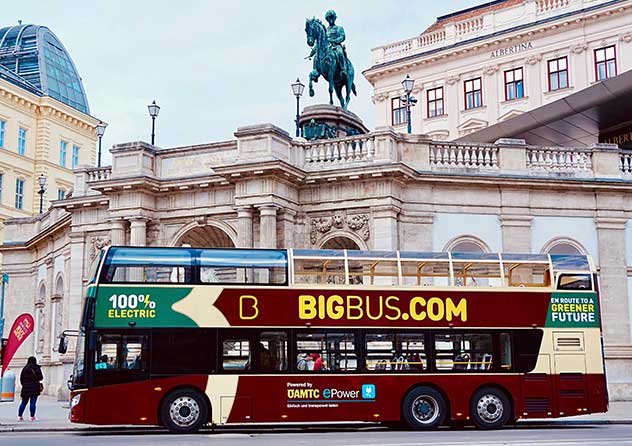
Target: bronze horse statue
[{"x": 337, "y": 70}]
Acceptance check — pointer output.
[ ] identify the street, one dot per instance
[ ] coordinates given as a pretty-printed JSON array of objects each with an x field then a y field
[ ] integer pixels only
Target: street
[{"x": 544, "y": 435}]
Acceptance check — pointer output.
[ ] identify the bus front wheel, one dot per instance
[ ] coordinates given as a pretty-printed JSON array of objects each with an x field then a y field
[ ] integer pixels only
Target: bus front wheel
[
  {"x": 184, "y": 411},
  {"x": 490, "y": 408},
  {"x": 424, "y": 408}
]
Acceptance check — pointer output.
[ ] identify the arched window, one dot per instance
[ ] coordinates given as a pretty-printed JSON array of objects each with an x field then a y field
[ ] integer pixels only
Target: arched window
[
  {"x": 467, "y": 243},
  {"x": 563, "y": 246}
]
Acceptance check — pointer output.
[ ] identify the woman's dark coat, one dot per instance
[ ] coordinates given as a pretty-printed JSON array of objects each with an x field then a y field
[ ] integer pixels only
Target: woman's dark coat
[{"x": 30, "y": 379}]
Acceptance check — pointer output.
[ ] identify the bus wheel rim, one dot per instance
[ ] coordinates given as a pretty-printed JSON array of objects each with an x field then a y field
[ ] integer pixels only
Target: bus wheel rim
[
  {"x": 489, "y": 408},
  {"x": 425, "y": 409},
  {"x": 184, "y": 411}
]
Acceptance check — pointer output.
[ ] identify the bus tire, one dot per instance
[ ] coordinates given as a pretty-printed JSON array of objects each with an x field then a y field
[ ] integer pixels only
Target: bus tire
[
  {"x": 184, "y": 411},
  {"x": 424, "y": 408},
  {"x": 490, "y": 408}
]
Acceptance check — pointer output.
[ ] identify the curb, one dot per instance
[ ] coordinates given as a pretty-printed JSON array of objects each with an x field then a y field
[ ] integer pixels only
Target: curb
[{"x": 155, "y": 429}]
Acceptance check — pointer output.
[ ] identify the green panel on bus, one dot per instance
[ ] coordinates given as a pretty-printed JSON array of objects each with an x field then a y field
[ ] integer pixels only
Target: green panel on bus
[
  {"x": 573, "y": 310},
  {"x": 129, "y": 306}
]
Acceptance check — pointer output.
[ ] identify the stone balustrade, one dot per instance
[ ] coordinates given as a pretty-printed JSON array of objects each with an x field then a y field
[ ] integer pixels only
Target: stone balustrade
[
  {"x": 559, "y": 160},
  {"x": 339, "y": 151},
  {"x": 469, "y": 26},
  {"x": 550, "y": 5},
  {"x": 451, "y": 155},
  {"x": 626, "y": 164},
  {"x": 99, "y": 173}
]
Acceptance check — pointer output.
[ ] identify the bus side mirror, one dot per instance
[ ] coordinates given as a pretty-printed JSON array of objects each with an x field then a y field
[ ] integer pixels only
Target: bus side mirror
[{"x": 63, "y": 344}]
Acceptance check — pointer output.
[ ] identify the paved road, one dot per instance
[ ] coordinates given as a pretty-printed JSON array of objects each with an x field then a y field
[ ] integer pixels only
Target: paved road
[{"x": 594, "y": 435}]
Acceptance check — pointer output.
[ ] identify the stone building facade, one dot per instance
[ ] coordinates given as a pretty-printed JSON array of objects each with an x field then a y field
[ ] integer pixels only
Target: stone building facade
[
  {"x": 383, "y": 191},
  {"x": 487, "y": 64}
]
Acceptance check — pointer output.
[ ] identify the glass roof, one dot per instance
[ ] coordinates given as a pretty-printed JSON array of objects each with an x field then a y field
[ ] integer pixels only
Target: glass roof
[{"x": 38, "y": 58}]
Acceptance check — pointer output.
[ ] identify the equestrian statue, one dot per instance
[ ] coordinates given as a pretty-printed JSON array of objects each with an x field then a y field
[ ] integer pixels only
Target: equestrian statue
[{"x": 330, "y": 58}]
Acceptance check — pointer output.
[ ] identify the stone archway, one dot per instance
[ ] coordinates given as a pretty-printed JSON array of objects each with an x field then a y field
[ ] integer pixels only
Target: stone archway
[
  {"x": 340, "y": 242},
  {"x": 206, "y": 236}
]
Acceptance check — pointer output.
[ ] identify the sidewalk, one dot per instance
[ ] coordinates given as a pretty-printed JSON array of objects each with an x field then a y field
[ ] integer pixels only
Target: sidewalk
[{"x": 53, "y": 416}]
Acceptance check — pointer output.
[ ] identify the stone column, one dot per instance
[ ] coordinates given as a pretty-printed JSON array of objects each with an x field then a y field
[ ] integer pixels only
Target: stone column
[
  {"x": 117, "y": 231},
  {"x": 138, "y": 232},
  {"x": 612, "y": 280},
  {"x": 516, "y": 232},
  {"x": 76, "y": 289},
  {"x": 287, "y": 228},
  {"x": 385, "y": 228},
  {"x": 244, "y": 227},
  {"x": 50, "y": 286},
  {"x": 268, "y": 226}
]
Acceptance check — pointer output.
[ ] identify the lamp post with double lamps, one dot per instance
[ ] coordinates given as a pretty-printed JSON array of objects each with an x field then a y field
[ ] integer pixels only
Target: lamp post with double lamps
[
  {"x": 100, "y": 131},
  {"x": 153, "y": 112},
  {"x": 297, "y": 89},
  {"x": 408, "y": 99},
  {"x": 42, "y": 182}
]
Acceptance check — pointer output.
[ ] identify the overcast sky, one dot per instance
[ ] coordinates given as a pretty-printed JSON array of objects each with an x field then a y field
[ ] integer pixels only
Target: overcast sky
[{"x": 212, "y": 66}]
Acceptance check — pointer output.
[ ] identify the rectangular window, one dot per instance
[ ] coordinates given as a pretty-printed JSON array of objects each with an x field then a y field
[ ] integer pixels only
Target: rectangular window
[
  {"x": 240, "y": 266},
  {"x": 75, "y": 157},
  {"x": 272, "y": 352},
  {"x": 558, "y": 73},
  {"x": 330, "y": 352},
  {"x": 236, "y": 355},
  {"x": 21, "y": 141},
  {"x": 190, "y": 346},
  {"x": 605, "y": 63},
  {"x": 3, "y": 126},
  {"x": 148, "y": 265},
  {"x": 464, "y": 352},
  {"x": 514, "y": 84},
  {"x": 19, "y": 194},
  {"x": 395, "y": 352},
  {"x": 435, "y": 102},
  {"x": 61, "y": 194},
  {"x": 473, "y": 93},
  {"x": 398, "y": 111},
  {"x": 63, "y": 146}
]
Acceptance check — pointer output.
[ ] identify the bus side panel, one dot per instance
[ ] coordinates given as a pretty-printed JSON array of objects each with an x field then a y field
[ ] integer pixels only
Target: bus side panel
[
  {"x": 597, "y": 393},
  {"x": 305, "y": 398},
  {"x": 131, "y": 403}
]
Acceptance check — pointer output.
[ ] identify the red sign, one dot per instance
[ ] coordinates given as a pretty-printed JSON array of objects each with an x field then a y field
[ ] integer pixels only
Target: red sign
[{"x": 21, "y": 329}]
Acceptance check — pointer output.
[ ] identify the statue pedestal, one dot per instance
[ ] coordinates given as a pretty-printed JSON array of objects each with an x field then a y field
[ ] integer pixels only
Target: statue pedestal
[{"x": 328, "y": 122}]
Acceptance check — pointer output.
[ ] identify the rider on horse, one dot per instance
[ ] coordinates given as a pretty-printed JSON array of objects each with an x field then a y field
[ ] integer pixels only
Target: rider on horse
[{"x": 336, "y": 35}]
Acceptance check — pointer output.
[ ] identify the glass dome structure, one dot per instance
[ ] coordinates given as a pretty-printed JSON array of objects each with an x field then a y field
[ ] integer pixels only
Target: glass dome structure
[{"x": 39, "y": 60}]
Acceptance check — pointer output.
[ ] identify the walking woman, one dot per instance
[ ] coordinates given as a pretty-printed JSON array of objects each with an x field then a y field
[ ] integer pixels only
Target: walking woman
[{"x": 30, "y": 378}]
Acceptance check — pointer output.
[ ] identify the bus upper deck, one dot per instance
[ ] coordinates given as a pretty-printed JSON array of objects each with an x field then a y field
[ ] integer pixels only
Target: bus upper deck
[{"x": 345, "y": 267}]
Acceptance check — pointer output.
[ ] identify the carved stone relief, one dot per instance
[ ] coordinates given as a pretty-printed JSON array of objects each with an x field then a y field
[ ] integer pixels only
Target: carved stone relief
[
  {"x": 358, "y": 223},
  {"x": 97, "y": 244}
]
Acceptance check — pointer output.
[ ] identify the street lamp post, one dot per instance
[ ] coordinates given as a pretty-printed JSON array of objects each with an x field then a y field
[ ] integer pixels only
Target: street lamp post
[
  {"x": 100, "y": 131},
  {"x": 297, "y": 89},
  {"x": 42, "y": 182},
  {"x": 153, "y": 112},
  {"x": 408, "y": 99}
]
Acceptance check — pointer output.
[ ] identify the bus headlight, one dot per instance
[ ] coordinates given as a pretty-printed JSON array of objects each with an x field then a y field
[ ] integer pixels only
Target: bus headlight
[{"x": 75, "y": 400}]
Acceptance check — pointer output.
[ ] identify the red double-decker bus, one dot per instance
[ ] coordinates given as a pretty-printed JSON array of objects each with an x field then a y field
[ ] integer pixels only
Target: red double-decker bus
[{"x": 182, "y": 337}]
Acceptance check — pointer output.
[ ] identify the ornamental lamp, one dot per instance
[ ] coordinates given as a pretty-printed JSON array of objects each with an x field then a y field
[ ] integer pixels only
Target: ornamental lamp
[{"x": 408, "y": 84}]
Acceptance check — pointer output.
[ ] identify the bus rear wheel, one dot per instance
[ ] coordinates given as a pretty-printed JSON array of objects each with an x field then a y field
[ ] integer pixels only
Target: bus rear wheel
[
  {"x": 424, "y": 408},
  {"x": 184, "y": 411},
  {"x": 490, "y": 408}
]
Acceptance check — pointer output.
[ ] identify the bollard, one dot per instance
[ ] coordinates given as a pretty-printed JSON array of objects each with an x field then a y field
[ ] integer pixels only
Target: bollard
[{"x": 7, "y": 390}]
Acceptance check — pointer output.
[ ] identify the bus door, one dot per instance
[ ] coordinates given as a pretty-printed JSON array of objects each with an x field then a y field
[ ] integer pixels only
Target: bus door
[
  {"x": 237, "y": 359},
  {"x": 570, "y": 371}
]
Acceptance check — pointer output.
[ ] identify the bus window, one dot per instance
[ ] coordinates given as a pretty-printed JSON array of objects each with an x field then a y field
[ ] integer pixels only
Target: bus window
[
  {"x": 183, "y": 351},
  {"x": 473, "y": 274},
  {"x": 468, "y": 352},
  {"x": 379, "y": 350},
  {"x": 236, "y": 355},
  {"x": 148, "y": 265},
  {"x": 107, "y": 352},
  {"x": 574, "y": 282},
  {"x": 527, "y": 274},
  {"x": 273, "y": 351},
  {"x": 425, "y": 273},
  {"x": 373, "y": 272},
  {"x": 505, "y": 351},
  {"x": 134, "y": 352},
  {"x": 268, "y": 267},
  {"x": 412, "y": 347},
  {"x": 319, "y": 271},
  {"x": 334, "y": 352}
]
